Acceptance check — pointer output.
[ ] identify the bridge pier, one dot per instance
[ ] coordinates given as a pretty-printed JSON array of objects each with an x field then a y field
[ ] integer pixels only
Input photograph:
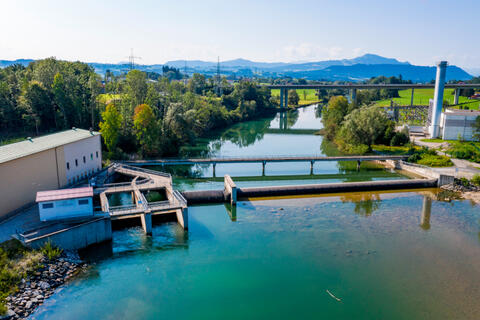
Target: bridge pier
[
  {"x": 264, "y": 163},
  {"x": 353, "y": 95},
  {"x": 182, "y": 217},
  {"x": 282, "y": 91},
  {"x": 146, "y": 222},
  {"x": 359, "y": 163},
  {"x": 214, "y": 166},
  {"x": 457, "y": 96},
  {"x": 411, "y": 98},
  {"x": 230, "y": 189},
  {"x": 286, "y": 98},
  {"x": 311, "y": 167}
]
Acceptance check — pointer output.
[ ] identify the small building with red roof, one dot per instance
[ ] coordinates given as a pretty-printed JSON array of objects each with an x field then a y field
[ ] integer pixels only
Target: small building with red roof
[{"x": 65, "y": 203}]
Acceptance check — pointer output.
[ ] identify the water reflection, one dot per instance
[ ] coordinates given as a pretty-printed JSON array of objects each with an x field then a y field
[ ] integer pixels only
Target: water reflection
[
  {"x": 426, "y": 211},
  {"x": 365, "y": 203}
]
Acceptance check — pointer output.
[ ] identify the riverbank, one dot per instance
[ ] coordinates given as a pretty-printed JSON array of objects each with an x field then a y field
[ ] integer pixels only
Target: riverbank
[
  {"x": 29, "y": 277},
  {"x": 466, "y": 190}
]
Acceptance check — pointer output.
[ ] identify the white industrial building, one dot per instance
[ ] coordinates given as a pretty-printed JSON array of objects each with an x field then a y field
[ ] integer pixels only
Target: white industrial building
[
  {"x": 458, "y": 124},
  {"x": 48, "y": 162},
  {"x": 65, "y": 203}
]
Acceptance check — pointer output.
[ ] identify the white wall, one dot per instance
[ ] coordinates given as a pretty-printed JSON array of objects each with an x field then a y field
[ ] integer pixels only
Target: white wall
[
  {"x": 77, "y": 151},
  {"x": 68, "y": 208},
  {"x": 455, "y": 125}
]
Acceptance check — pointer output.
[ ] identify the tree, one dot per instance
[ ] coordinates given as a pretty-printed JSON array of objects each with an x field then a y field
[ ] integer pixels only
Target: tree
[
  {"x": 146, "y": 128},
  {"x": 197, "y": 83},
  {"x": 110, "y": 127},
  {"x": 60, "y": 97},
  {"x": 363, "y": 126},
  {"x": 293, "y": 98},
  {"x": 38, "y": 106},
  {"x": 333, "y": 114},
  {"x": 136, "y": 87}
]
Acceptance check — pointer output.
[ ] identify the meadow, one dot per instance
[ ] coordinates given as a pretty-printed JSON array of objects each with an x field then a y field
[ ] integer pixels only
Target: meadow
[
  {"x": 307, "y": 96},
  {"x": 422, "y": 97}
]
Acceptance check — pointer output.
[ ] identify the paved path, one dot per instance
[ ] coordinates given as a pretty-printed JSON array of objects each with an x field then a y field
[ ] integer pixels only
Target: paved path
[
  {"x": 19, "y": 223},
  {"x": 461, "y": 168}
]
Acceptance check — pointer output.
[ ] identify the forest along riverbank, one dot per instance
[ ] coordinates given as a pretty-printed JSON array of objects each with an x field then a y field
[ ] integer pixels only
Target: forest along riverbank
[{"x": 290, "y": 133}]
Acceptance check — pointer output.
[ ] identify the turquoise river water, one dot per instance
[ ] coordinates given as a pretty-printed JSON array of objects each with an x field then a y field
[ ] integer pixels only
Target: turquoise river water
[{"x": 390, "y": 255}]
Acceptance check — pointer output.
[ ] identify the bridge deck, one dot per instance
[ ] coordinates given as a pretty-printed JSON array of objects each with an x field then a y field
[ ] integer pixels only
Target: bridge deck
[
  {"x": 262, "y": 159},
  {"x": 371, "y": 86}
]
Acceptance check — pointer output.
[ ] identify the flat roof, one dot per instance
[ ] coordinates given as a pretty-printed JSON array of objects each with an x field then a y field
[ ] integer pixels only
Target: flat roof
[
  {"x": 62, "y": 194},
  {"x": 38, "y": 144},
  {"x": 462, "y": 112}
]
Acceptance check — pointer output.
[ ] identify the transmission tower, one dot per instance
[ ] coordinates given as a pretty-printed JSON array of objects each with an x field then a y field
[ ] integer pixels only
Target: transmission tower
[
  {"x": 185, "y": 73},
  {"x": 219, "y": 79},
  {"x": 131, "y": 59}
]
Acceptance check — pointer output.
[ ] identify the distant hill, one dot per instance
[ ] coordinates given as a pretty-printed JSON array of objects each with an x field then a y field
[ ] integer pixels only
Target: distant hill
[
  {"x": 359, "y": 72},
  {"x": 356, "y": 69},
  {"x": 6, "y": 63}
]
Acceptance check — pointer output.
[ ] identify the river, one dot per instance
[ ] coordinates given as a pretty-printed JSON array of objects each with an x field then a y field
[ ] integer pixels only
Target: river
[
  {"x": 288, "y": 133},
  {"x": 390, "y": 255}
]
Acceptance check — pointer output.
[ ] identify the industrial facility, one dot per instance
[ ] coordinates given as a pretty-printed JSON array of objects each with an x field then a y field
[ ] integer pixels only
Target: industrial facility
[{"x": 45, "y": 163}]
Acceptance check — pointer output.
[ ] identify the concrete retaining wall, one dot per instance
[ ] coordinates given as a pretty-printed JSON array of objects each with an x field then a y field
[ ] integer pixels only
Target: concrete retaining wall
[{"x": 76, "y": 237}]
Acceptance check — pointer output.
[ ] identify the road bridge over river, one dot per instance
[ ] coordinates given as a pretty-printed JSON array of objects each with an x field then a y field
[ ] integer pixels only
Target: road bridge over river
[
  {"x": 353, "y": 87},
  {"x": 263, "y": 160}
]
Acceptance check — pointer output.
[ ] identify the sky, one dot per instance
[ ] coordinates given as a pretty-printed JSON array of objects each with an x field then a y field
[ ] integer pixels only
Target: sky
[{"x": 421, "y": 32}]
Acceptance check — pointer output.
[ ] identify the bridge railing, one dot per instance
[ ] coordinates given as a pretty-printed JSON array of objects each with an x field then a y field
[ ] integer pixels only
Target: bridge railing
[
  {"x": 158, "y": 173},
  {"x": 268, "y": 158}
]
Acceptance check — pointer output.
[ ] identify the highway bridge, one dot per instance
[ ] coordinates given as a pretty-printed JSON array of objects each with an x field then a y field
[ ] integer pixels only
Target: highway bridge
[{"x": 353, "y": 87}]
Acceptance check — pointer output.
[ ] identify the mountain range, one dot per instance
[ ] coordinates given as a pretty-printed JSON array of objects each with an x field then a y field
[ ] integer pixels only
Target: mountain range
[{"x": 356, "y": 69}]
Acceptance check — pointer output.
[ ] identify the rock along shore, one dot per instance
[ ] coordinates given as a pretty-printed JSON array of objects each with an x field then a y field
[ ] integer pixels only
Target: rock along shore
[{"x": 41, "y": 284}]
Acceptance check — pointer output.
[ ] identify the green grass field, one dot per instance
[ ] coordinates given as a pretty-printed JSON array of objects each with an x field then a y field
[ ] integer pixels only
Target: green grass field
[
  {"x": 422, "y": 96},
  {"x": 307, "y": 96}
]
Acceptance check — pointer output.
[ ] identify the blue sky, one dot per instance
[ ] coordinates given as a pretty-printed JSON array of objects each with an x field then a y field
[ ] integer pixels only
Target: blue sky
[{"x": 421, "y": 31}]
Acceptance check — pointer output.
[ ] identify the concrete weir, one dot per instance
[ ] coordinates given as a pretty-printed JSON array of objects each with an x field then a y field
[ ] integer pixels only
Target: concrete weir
[
  {"x": 77, "y": 234},
  {"x": 219, "y": 196}
]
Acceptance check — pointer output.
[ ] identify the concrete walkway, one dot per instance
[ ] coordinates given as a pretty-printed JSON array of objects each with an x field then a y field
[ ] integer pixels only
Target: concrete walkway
[{"x": 19, "y": 223}]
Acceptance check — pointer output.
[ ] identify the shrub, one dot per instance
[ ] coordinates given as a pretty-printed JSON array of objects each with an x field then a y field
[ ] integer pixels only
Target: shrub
[
  {"x": 476, "y": 180},
  {"x": 399, "y": 139},
  {"x": 435, "y": 161},
  {"x": 464, "y": 182},
  {"x": 50, "y": 251}
]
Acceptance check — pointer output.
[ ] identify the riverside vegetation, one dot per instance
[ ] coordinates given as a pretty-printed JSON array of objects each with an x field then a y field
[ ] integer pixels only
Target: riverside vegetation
[
  {"x": 360, "y": 129},
  {"x": 27, "y": 276},
  {"x": 141, "y": 114}
]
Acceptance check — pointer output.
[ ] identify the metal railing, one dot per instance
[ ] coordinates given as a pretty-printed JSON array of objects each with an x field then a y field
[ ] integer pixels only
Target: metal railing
[{"x": 180, "y": 198}]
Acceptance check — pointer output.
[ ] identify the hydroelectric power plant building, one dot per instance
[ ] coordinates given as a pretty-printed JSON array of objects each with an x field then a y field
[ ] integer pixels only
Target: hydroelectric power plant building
[{"x": 45, "y": 163}]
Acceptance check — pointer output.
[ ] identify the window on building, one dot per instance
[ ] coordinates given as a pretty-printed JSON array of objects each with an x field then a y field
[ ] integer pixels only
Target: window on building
[
  {"x": 96, "y": 154},
  {"x": 76, "y": 162},
  {"x": 47, "y": 205},
  {"x": 84, "y": 159},
  {"x": 68, "y": 165},
  {"x": 82, "y": 202},
  {"x": 91, "y": 156}
]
